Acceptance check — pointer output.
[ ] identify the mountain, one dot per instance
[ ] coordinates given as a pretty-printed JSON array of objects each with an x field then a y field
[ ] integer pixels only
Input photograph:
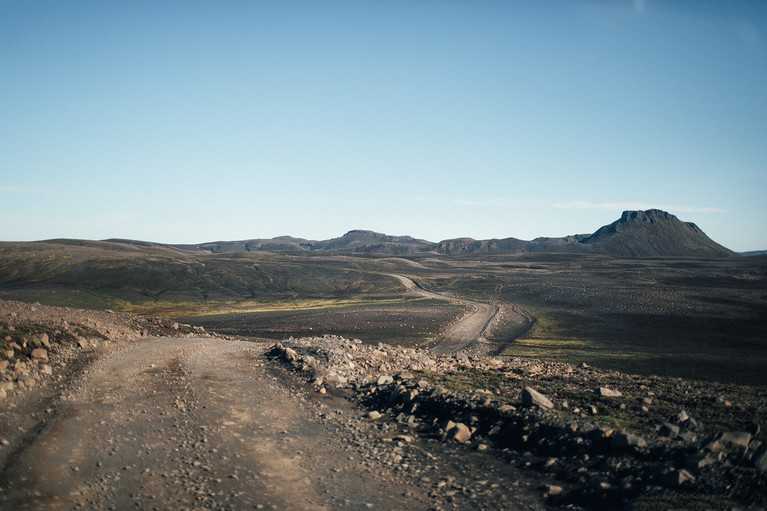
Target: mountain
[
  {"x": 369, "y": 241},
  {"x": 654, "y": 233},
  {"x": 651, "y": 233},
  {"x": 281, "y": 243}
]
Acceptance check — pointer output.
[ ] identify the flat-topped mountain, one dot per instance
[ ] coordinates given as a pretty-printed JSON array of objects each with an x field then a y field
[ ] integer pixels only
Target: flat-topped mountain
[{"x": 651, "y": 233}]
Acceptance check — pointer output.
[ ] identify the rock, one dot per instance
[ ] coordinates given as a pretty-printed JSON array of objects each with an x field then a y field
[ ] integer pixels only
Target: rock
[
  {"x": 40, "y": 354},
  {"x": 676, "y": 478},
  {"x": 552, "y": 490},
  {"x": 3, "y": 394},
  {"x": 403, "y": 438},
  {"x": 669, "y": 430},
  {"x": 698, "y": 461},
  {"x": 531, "y": 397},
  {"x": 730, "y": 442},
  {"x": 682, "y": 416},
  {"x": 760, "y": 458},
  {"x": 605, "y": 392},
  {"x": 688, "y": 436},
  {"x": 692, "y": 424},
  {"x": 625, "y": 440},
  {"x": 44, "y": 340},
  {"x": 385, "y": 380},
  {"x": 3, "y": 365},
  {"x": 374, "y": 415},
  {"x": 47, "y": 369},
  {"x": 462, "y": 358},
  {"x": 290, "y": 354},
  {"x": 459, "y": 432}
]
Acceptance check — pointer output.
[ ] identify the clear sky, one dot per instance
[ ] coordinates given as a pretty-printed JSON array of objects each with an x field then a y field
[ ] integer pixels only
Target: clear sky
[{"x": 190, "y": 121}]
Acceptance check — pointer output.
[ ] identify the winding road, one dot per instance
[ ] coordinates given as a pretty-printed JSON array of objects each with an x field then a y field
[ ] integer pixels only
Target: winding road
[{"x": 467, "y": 331}]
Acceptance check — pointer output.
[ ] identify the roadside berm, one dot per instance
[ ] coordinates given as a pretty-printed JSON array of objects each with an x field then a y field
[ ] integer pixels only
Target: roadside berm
[{"x": 596, "y": 439}]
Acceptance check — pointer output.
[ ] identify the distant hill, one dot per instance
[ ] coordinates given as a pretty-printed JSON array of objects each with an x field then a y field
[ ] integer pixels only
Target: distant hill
[
  {"x": 369, "y": 241},
  {"x": 651, "y": 233},
  {"x": 753, "y": 253},
  {"x": 654, "y": 233}
]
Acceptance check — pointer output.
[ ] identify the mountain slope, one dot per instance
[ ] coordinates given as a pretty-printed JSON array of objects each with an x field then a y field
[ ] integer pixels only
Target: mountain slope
[{"x": 653, "y": 233}]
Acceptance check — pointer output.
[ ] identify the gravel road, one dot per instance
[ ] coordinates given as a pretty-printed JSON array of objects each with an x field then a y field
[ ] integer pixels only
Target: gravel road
[
  {"x": 465, "y": 332},
  {"x": 201, "y": 423}
]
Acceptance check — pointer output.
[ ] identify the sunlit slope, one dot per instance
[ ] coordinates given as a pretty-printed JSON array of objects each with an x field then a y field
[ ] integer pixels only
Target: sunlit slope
[{"x": 144, "y": 276}]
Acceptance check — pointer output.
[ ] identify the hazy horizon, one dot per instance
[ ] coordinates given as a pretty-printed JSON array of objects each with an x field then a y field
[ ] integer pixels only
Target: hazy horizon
[{"x": 186, "y": 122}]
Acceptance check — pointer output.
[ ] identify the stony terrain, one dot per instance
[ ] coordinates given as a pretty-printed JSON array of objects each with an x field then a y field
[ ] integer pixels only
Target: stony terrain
[
  {"x": 112, "y": 411},
  {"x": 592, "y": 438}
]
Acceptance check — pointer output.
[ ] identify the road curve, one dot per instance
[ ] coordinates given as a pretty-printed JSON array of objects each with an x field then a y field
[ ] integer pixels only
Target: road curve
[{"x": 464, "y": 333}]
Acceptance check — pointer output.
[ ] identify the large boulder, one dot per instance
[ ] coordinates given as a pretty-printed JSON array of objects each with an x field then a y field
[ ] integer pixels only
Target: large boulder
[
  {"x": 40, "y": 354},
  {"x": 731, "y": 442},
  {"x": 623, "y": 440},
  {"x": 459, "y": 432},
  {"x": 531, "y": 397},
  {"x": 605, "y": 392}
]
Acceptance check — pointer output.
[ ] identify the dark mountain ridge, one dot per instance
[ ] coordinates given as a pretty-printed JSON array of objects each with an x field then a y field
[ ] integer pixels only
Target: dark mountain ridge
[{"x": 651, "y": 233}]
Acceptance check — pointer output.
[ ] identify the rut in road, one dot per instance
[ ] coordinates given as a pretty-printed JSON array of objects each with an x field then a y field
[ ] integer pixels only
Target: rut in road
[
  {"x": 469, "y": 330},
  {"x": 196, "y": 423}
]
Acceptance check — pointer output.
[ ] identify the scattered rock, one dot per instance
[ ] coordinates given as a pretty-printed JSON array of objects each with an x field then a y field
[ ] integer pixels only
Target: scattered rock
[
  {"x": 44, "y": 340},
  {"x": 458, "y": 432},
  {"x": 734, "y": 442},
  {"x": 552, "y": 490},
  {"x": 698, "y": 461},
  {"x": 624, "y": 440},
  {"x": 374, "y": 415},
  {"x": 676, "y": 478},
  {"x": 605, "y": 392},
  {"x": 531, "y": 397},
  {"x": 669, "y": 430},
  {"x": 40, "y": 354}
]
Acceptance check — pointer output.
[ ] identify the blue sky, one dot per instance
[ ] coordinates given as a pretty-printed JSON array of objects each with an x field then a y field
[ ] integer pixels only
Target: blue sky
[{"x": 190, "y": 121}]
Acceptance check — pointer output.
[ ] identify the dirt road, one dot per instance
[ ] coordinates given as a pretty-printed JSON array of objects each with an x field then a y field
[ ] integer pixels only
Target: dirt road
[
  {"x": 464, "y": 333},
  {"x": 201, "y": 423}
]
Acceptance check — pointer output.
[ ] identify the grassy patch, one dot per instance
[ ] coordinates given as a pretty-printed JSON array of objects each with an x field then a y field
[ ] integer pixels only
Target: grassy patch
[
  {"x": 471, "y": 380},
  {"x": 168, "y": 309}
]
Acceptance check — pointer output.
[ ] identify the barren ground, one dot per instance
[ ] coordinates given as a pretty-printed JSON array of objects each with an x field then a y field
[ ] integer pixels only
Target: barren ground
[{"x": 197, "y": 423}]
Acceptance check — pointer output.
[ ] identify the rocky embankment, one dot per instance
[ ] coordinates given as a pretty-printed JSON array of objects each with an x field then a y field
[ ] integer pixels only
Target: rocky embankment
[
  {"x": 37, "y": 341},
  {"x": 597, "y": 439}
]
